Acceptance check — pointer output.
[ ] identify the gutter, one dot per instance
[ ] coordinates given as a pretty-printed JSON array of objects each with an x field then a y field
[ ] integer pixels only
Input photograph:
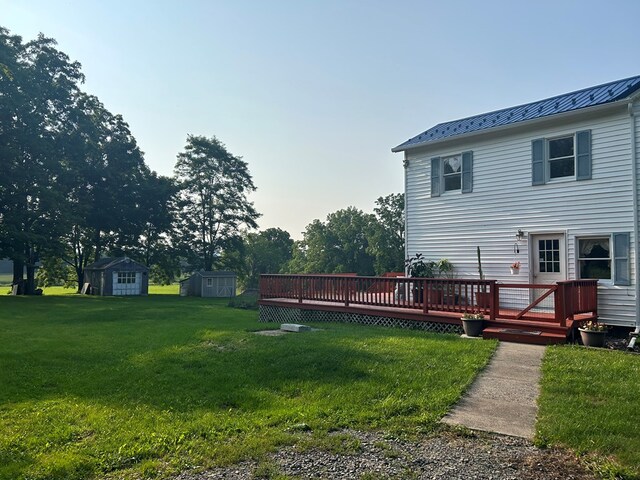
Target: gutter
[{"x": 636, "y": 226}]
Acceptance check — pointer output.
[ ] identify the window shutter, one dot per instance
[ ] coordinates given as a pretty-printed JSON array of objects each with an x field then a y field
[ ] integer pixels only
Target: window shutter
[
  {"x": 467, "y": 172},
  {"x": 538, "y": 175},
  {"x": 622, "y": 273},
  {"x": 583, "y": 155},
  {"x": 435, "y": 177}
]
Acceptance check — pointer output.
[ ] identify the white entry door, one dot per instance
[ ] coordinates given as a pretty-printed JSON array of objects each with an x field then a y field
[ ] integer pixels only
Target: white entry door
[
  {"x": 549, "y": 258},
  {"x": 549, "y": 263}
]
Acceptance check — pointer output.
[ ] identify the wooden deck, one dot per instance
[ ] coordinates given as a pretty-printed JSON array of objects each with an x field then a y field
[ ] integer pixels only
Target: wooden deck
[{"x": 516, "y": 312}]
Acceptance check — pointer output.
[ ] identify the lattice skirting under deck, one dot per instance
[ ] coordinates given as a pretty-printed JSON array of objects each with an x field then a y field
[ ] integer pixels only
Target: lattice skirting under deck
[{"x": 270, "y": 313}]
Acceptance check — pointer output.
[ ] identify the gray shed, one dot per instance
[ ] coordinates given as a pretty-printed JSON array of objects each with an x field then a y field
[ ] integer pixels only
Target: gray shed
[
  {"x": 209, "y": 284},
  {"x": 117, "y": 276}
]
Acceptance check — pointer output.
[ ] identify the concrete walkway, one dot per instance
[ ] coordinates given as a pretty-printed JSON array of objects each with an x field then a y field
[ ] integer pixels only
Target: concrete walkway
[{"x": 503, "y": 397}]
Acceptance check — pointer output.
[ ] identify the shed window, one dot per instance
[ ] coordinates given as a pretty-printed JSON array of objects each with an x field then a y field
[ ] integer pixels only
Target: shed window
[
  {"x": 209, "y": 282},
  {"x": 594, "y": 258},
  {"x": 126, "y": 277}
]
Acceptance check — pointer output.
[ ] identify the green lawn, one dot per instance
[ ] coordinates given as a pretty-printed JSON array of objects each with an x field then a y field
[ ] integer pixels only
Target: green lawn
[
  {"x": 145, "y": 387},
  {"x": 590, "y": 402}
]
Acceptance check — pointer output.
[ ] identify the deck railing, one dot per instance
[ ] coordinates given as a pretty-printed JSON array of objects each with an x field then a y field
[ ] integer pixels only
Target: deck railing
[{"x": 558, "y": 302}]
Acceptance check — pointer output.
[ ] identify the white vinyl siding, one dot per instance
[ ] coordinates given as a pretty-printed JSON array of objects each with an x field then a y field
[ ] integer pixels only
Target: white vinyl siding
[{"x": 503, "y": 201}]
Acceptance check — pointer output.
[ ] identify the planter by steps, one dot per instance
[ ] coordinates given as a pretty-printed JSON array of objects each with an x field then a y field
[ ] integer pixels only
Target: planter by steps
[
  {"x": 472, "y": 326},
  {"x": 591, "y": 338}
]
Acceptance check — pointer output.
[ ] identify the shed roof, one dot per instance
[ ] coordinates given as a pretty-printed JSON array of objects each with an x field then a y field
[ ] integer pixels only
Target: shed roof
[
  {"x": 107, "y": 262},
  {"x": 216, "y": 273},
  {"x": 588, "y": 97},
  {"x": 211, "y": 274}
]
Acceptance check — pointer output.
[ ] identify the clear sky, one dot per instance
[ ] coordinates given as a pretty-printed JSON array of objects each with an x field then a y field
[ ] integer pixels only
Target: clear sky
[{"x": 314, "y": 94}]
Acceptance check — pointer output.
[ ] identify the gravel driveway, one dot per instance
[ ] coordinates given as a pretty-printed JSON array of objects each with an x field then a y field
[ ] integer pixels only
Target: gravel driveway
[{"x": 447, "y": 456}]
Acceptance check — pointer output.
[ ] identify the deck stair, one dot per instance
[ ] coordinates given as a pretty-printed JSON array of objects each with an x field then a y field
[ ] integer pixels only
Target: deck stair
[{"x": 521, "y": 331}]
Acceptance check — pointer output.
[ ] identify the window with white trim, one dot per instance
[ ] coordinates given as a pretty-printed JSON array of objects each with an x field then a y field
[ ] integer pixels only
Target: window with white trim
[
  {"x": 566, "y": 156},
  {"x": 209, "y": 282},
  {"x": 594, "y": 258},
  {"x": 562, "y": 158},
  {"x": 452, "y": 172},
  {"x": 126, "y": 277}
]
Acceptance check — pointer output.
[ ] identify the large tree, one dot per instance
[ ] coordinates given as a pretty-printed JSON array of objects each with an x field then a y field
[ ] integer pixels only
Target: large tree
[
  {"x": 107, "y": 184},
  {"x": 38, "y": 84},
  {"x": 213, "y": 203},
  {"x": 268, "y": 251},
  {"x": 339, "y": 245},
  {"x": 386, "y": 240}
]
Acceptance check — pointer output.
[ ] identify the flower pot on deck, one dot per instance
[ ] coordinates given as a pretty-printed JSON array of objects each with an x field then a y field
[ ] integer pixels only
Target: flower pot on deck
[
  {"x": 472, "y": 326},
  {"x": 592, "y": 338},
  {"x": 515, "y": 271}
]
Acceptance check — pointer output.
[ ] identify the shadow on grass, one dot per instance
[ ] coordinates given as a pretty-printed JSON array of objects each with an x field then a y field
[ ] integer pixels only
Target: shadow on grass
[{"x": 165, "y": 353}]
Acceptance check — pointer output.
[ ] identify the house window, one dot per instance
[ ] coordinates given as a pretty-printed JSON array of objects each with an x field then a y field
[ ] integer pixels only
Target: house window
[
  {"x": 594, "y": 258},
  {"x": 451, "y": 172},
  {"x": 209, "y": 282},
  {"x": 561, "y": 157},
  {"x": 126, "y": 277}
]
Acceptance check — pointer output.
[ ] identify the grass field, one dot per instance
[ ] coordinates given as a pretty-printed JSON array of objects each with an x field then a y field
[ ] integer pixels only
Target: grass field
[
  {"x": 145, "y": 387},
  {"x": 590, "y": 402}
]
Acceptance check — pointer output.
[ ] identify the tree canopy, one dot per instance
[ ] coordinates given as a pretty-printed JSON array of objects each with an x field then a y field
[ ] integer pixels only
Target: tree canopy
[{"x": 213, "y": 205}]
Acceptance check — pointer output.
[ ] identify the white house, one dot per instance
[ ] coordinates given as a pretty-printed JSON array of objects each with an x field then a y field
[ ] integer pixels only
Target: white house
[{"x": 552, "y": 184}]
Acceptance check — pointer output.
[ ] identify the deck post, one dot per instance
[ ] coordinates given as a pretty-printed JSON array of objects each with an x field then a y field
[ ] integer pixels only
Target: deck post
[
  {"x": 425, "y": 296},
  {"x": 559, "y": 307},
  {"x": 346, "y": 291},
  {"x": 494, "y": 300},
  {"x": 300, "y": 289}
]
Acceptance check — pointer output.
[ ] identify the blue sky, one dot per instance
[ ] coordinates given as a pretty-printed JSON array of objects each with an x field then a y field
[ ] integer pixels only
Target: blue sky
[{"x": 314, "y": 94}]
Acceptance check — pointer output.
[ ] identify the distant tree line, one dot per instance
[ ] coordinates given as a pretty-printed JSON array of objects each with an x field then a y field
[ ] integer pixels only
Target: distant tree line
[{"x": 74, "y": 187}]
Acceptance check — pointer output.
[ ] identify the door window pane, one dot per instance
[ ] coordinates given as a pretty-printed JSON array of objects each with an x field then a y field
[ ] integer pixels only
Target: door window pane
[{"x": 549, "y": 255}]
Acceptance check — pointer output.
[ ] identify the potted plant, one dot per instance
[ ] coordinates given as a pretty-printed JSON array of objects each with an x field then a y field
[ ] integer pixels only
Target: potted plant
[
  {"x": 445, "y": 270},
  {"x": 473, "y": 324},
  {"x": 418, "y": 267},
  {"x": 592, "y": 333},
  {"x": 515, "y": 268}
]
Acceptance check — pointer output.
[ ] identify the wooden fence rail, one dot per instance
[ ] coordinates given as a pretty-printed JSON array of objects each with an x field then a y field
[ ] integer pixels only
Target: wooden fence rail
[{"x": 565, "y": 299}]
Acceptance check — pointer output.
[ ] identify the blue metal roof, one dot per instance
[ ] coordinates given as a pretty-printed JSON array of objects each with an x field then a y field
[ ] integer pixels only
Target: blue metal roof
[{"x": 589, "y": 97}]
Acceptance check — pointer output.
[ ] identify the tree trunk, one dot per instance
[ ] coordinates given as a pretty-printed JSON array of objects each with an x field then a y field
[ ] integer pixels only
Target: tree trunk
[
  {"x": 18, "y": 271},
  {"x": 30, "y": 286}
]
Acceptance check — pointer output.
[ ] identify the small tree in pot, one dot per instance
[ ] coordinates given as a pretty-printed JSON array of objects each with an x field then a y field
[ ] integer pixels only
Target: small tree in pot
[{"x": 418, "y": 267}]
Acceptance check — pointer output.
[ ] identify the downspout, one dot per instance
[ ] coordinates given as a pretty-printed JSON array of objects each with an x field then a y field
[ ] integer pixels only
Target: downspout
[
  {"x": 636, "y": 227},
  {"x": 405, "y": 164}
]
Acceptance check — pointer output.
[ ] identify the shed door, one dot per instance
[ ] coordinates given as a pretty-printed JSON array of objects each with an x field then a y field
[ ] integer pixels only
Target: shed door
[
  {"x": 225, "y": 287},
  {"x": 127, "y": 283}
]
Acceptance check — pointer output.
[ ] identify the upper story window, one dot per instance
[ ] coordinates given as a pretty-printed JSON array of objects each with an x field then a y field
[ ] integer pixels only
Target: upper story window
[
  {"x": 568, "y": 156},
  {"x": 561, "y": 157},
  {"x": 452, "y": 172}
]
